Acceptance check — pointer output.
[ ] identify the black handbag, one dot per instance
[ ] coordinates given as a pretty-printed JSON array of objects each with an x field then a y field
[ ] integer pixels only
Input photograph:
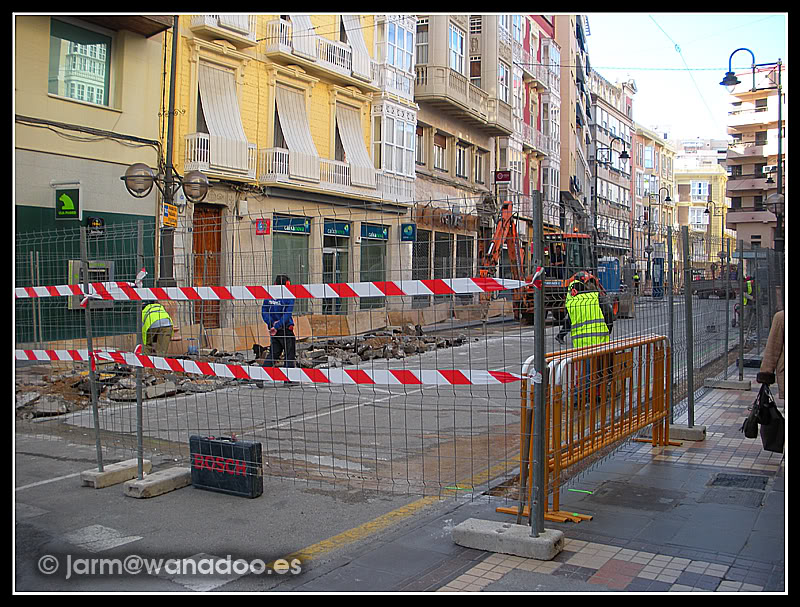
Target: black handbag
[
  {"x": 750, "y": 424},
  {"x": 771, "y": 420}
]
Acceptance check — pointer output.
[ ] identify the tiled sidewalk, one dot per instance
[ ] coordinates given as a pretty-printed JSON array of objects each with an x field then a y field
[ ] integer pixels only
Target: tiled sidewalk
[{"x": 618, "y": 568}]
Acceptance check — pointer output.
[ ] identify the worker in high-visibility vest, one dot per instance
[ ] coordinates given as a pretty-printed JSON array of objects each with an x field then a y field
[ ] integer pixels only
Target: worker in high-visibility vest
[
  {"x": 157, "y": 329},
  {"x": 588, "y": 327}
]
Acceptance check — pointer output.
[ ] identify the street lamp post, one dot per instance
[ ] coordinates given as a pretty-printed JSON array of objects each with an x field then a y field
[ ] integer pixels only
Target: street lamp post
[
  {"x": 623, "y": 156},
  {"x": 139, "y": 178},
  {"x": 730, "y": 81},
  {"x": 648, "y": 248}
]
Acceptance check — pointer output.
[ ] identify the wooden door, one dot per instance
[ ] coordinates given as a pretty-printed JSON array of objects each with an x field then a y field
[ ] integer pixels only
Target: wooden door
[{"x": 207, "y": 252}]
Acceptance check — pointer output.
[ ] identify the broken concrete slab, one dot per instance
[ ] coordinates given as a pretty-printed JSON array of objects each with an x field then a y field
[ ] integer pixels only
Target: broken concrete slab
[
  {"x": 507, "y": 538},
  {"x": 113, "y": 474},
  {"x": 166, "y": 389},
  {"x": 51, "y": 405},
  {"x": 157, "y": 483},
  {"x": 25, "y": 398}
]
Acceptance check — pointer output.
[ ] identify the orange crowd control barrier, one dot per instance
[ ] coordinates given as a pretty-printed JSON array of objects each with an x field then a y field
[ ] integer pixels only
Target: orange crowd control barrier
[{"x": 595, "y": 398}]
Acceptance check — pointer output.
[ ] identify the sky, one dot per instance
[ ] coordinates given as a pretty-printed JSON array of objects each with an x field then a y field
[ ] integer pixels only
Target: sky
[{"x": 688, "y": 103}]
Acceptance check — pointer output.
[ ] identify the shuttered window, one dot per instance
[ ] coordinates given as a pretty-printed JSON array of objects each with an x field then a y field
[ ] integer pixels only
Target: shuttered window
[
  {"x": 348, "y": 123},
  {"x": 237, "y": 23},
  {"x": 303, "y": 156},
  {"x": 220, "y": 107},
  {"x": 361, "y": 61},
  {"x": 304, "y": 39}
]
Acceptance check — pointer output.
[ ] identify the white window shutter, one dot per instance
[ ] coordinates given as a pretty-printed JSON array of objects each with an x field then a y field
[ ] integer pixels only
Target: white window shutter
[
  {"x": 304, "y": 38},
  {"x": 361, "y": 61},
  {"x": 348, "y": 122},
  {"x": 228, "y": 142},
  {"x": 237, "y": 23},
  {"x": 303, "y": 157}
]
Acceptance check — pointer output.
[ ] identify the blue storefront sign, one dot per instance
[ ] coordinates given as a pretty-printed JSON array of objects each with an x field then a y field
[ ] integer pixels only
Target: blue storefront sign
[
  {"x": 337, "y": 228},
  {"x": 371, "y": 230},
  {"x": 408, "y": 232},
  {"x": 295, "y": 225}
]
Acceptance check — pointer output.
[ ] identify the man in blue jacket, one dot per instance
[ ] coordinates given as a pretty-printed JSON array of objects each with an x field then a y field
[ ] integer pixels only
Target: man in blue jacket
[{"x": 277, "y": 313}]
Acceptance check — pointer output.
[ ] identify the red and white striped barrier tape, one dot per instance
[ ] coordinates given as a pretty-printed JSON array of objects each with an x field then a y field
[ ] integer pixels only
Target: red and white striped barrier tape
[
  {"x": 126, "y": 291},
  {"x": 397, "y": 377}
]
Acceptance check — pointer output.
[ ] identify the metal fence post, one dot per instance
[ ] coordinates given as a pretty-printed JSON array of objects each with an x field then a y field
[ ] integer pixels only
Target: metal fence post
[
  {"x": 687, "y": 300},
  {"x": 671, "y": 322},
  {"x": 741, "y": 310},
  {"x": 88, "y": 319},
  {"x": 139, "y": 370},
  {"x": 538, "y": 497},
  {"x": 727, "y": 303}
]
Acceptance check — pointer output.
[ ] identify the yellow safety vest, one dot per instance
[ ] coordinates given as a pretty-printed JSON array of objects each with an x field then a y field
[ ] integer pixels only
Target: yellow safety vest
[
  {"x": 588, "y": 326},
  {"x": 151, "y": 313},
  {"x": 749, "y": 286}
]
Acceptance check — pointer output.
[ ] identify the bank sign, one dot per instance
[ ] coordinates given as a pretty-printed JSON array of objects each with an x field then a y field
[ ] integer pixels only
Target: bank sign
[
  {"x": 294, "y": 225},
  {"x": 68, "y": 202},
  {"x": 370, "y": 230}
]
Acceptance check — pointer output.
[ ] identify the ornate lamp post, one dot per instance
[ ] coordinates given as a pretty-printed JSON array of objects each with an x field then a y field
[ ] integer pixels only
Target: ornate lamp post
[
  {"x": 648, "y": 249},
  {"x": 624, "y": 157},
  {"x": 730, "y": 81}
]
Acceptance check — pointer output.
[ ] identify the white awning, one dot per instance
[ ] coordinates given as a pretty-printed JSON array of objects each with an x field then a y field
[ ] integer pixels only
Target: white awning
[
  {"x": 237, "y": 23},
  {"x": 228, "y": 142},
  {"x": 303, "y": 157},
  {"x": 361, "y": 61},
  {"x": 304, "y": 37},
  {"x": 348, "y": 121}
]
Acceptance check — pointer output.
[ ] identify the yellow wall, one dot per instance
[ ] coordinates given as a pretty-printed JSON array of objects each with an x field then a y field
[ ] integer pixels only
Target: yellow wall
[
  {"x": 133, "y": 98},
  {"x": 256, "y": 99}
]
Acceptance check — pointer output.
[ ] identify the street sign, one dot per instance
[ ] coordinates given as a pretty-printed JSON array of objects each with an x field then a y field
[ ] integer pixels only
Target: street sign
[
  {"x": 169, "y": 218},
  {"x": 68, "y": 203},
  {"x": 502, "y": 176},
  {"x": 262, "y": 226},
  {"x": 408, "y": 232},
  {"x": 369, "y": 230}
]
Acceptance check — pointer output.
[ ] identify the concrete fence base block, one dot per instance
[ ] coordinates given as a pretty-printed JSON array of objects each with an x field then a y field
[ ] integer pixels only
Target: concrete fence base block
[
  {"x": 508, "y": 538},
  {"x": 727, "y": 384},
  {"x": 159, "y": 482},
  {"x": 113, "y": 474},
  {"x": 695, "y": 433}
]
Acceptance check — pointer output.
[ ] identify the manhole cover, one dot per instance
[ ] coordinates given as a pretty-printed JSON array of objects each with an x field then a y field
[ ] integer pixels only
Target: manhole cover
[
  {"x": 732, "y": 497},
  {"x": 740, "y": 481}
]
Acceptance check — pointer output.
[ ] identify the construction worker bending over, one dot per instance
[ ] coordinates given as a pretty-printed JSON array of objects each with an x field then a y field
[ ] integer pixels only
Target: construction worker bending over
[{"x": 156, "y": 329}]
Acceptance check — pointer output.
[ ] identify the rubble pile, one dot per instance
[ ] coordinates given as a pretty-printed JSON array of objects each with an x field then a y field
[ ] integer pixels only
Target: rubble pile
[{"x": 45, "y": 391}]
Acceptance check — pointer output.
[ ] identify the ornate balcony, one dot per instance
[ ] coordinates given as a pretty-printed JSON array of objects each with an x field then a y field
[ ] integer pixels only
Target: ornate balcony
[
  {"x": 500, "y": 118},
  {"x": 198, "y": 157},
  {"x": 320, "y": 56},
  {"x": 334, "y": 177},
  {"x": 393, "y": 80},
  {"x": 446, "y": 89}
]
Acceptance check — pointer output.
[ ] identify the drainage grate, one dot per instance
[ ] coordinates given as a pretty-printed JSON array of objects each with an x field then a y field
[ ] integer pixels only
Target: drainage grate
[
  {"x": 740, "y": 481},
  {"x": 732, "y": 497}
]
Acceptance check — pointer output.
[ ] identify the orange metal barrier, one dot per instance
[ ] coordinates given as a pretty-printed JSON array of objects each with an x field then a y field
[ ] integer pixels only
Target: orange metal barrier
[{"x": 596, "y": 397}]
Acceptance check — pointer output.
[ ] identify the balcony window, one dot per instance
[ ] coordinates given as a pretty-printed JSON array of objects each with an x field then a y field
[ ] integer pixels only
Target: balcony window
[
  {"x": 456, "y": 49},
  {"x": 648, "y": 157},
  {"x": 475, "y": 70},
  {"x": 400, "y": 46},
  {"x": 502, "y": 81},
  {"x": 462, "y": 161},
  {"x": 699, "y": 190},
  {"x": 422, "y": 41},
  {"x": 395, "y": 138},
  {"x": 475, "y": 24},
  {"x": 479, "y": 162},
  {"x": 80, "y": 63},
  {"x": 419, "y": 157},
  {"x": 440, "y": 152},
  {"x": 517, "y": 27}
]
